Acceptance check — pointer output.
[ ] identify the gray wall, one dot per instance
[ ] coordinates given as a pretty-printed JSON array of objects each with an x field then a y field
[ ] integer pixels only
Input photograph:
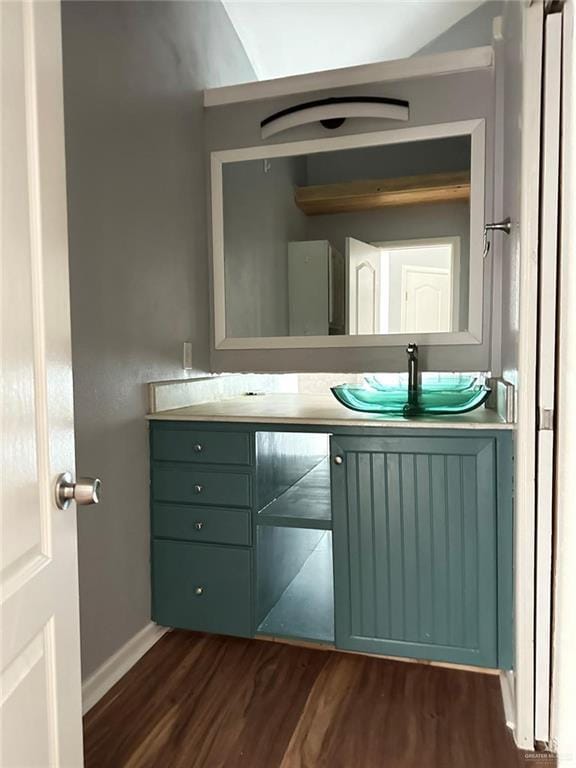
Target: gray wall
[
  {"x": 260, "y": 218},
  {"x": 473, "y": 30},
  {"x": 390, "y": 161},
  {"x": 410, "y": 222},
  {"x": 133, "y": 74}
]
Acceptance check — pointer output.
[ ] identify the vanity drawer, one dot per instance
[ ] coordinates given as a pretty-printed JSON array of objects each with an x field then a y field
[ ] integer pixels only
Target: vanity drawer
[
  {"x": 202, "y": 587},
  {"x": 191, "y": 485},
  {"x": 201, "y": 447},
  {"x": 193, "y": 523}
]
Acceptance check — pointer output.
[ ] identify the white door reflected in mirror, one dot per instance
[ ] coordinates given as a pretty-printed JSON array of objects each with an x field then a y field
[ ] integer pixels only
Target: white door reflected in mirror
[
  {"x": 403, "y": 287},
  {"x": 425, "y": 300},
  {"x": 425, "y": 286},
  {"x": 364, "y": 288}
]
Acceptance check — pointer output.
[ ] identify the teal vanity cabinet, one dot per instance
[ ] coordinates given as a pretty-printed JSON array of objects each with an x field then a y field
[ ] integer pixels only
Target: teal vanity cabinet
[
  {"x": 422, "y": 529},
  {"x": 394, "y": 541},
  {"x": 201, "y": 499}
]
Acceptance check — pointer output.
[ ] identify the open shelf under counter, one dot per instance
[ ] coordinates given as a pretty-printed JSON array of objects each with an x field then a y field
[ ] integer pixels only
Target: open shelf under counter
[
  {"x": 305, "y": 609},
  {"x": 306, "y": 504}
]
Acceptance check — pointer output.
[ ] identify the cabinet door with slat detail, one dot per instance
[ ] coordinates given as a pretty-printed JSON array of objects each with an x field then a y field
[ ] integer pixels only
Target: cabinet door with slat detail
[{"x": 415, "y": 547}]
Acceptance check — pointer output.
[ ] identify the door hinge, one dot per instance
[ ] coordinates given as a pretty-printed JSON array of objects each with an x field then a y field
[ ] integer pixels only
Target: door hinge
[{"x": 545, "y": 419}]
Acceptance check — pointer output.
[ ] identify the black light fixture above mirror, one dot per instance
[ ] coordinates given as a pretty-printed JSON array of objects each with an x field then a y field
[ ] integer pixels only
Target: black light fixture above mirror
[{"x": 333, "y": 112}]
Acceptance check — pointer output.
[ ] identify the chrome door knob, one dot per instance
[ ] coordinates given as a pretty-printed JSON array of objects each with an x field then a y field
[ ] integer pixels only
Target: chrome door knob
[
  {"x": 198, "y": 591},
  {"x": 198, "y": 448},
  {"x": 198, "y": 488},
  {"x": 338, "y": 460},
  {"x": 85, "y": 491}
]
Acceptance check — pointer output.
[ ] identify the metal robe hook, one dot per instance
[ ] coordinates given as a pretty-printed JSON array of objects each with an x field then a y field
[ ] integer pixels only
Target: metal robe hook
[{"x": 499, "y": 226}]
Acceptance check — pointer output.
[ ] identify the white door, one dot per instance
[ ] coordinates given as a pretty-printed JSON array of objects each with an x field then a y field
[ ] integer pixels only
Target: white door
[
  {"x": 40, "y": 715},
  {"x": 518, "y": 70},
  {"x": 364, "y": 286},
  {"x": 426, "y": 299}
]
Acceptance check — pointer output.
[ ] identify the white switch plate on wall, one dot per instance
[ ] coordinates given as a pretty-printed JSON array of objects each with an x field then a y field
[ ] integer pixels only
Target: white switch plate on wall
[{"x": 187, "y": 355}]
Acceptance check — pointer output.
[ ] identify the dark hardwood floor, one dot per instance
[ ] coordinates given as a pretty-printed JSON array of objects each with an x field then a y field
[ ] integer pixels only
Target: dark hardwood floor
[{"x": 199, "y": 701}]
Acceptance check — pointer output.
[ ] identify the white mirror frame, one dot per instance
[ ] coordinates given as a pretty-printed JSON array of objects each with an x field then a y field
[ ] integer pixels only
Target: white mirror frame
[{"x": 473, "y": 335}]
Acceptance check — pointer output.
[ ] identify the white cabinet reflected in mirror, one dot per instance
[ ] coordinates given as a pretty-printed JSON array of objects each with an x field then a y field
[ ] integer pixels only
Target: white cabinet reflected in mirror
[{"x": 360, "y": 240}]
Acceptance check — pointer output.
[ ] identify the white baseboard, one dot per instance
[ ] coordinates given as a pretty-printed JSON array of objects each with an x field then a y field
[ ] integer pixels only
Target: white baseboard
[
  {"x": 100, "y": 681},
  {"x": 507, "y": 689}
]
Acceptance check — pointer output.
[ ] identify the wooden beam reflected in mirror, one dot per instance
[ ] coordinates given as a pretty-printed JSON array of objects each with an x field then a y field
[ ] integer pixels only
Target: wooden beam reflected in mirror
[{"x": 372, "y": 194}]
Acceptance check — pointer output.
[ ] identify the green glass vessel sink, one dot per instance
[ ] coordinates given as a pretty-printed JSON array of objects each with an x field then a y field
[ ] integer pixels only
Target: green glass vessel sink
[
  {"x": 444, "y": 383},
  {"x": 398, "y": 401}
]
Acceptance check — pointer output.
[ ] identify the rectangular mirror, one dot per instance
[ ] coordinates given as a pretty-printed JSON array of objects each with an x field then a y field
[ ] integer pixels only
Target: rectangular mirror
[{"x": 354, "y": 240}]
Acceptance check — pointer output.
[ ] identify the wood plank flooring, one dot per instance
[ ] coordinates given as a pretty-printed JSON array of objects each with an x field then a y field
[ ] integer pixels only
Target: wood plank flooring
[{"x": 204, "y": 701}]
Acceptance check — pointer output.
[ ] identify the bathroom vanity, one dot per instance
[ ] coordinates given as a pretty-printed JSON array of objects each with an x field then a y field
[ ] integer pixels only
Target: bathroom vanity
[
  {"x": 290, "y": 516},
  {"x": 334, "y": 245}
]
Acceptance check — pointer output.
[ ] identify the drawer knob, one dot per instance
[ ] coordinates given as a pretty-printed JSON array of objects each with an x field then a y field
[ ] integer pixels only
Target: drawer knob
[
  {"x": 199, "y": 591},
  {"x": 198, "y": 448},
  {"x": 338, "y": 460},
  {"x": 198, "y": 526},
  {"x": 198, "y": 488}
]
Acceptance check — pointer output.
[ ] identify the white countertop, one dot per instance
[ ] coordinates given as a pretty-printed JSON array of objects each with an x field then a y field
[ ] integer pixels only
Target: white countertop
[{"x": 318, "y": 410}]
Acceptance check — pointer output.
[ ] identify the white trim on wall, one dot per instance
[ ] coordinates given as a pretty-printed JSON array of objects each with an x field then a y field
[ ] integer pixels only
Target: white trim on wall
[
  {"x": 525, "y": 452},
  {"x": 507, "y": 692},
  {"x": 563, "y": 719},
  {"x": 326, "y": 342},
  {"x": 428, "y": 65},
  {"x": 108, "y": 674},
  {"x": 473, "y": 335},
  {"x": 547, "y": 336}
]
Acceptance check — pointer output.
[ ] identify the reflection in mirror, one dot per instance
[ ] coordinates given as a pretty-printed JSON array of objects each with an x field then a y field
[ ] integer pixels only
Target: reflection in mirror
[{"x": 374, "y": 240}]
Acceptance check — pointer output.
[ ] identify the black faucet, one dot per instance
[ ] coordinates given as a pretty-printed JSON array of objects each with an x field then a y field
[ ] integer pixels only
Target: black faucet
[{"x": 412, "y": 352}]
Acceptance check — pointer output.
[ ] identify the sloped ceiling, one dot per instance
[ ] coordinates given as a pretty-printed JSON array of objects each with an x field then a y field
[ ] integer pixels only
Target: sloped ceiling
[{"x": 291, "y": 37}]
